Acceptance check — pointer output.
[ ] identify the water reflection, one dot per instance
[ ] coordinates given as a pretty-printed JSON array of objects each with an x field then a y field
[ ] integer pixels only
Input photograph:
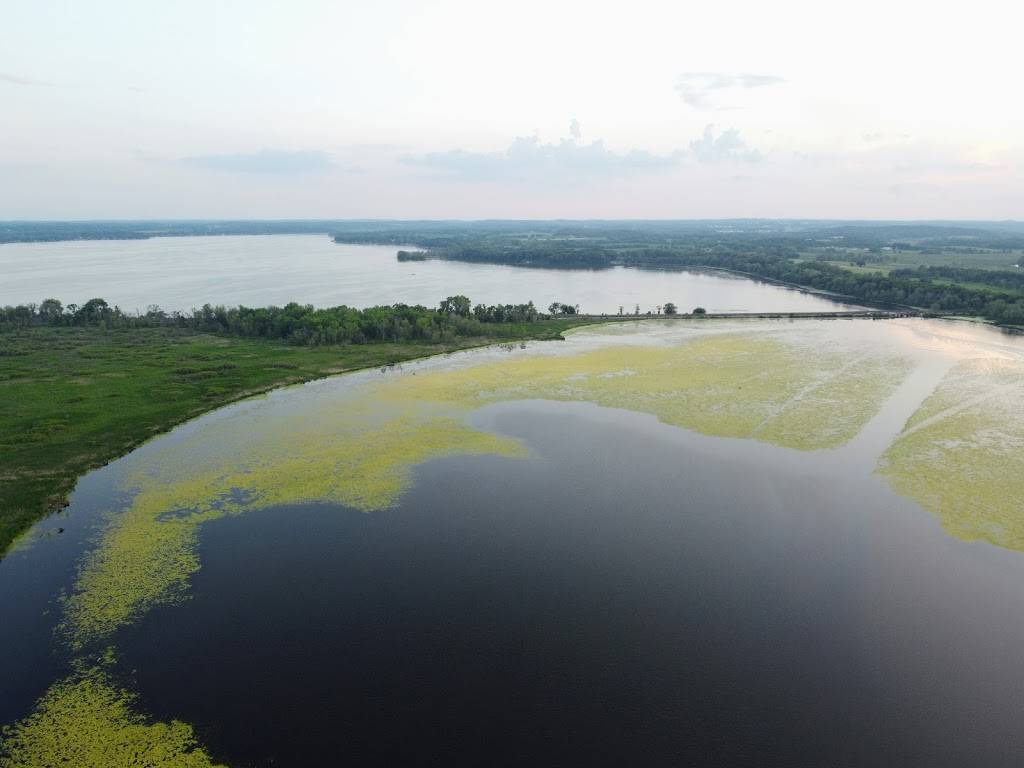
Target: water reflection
[{"x": 586, "y": 582}]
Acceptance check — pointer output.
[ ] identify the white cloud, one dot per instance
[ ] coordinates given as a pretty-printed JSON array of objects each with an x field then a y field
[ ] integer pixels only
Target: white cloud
[
  {"x": 528, "y": 158},
  {"x": 726, "y": 146},
  {"x": 268, "y": 161},
  {"x": 719, "y": 90}
]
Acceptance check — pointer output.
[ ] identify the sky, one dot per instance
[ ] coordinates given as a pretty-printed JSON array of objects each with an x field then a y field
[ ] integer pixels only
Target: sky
[{"x": 556, "y": 109}]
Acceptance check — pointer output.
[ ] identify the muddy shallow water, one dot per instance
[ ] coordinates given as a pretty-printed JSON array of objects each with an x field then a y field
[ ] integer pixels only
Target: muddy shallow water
[{"x": 785, "y": 542}]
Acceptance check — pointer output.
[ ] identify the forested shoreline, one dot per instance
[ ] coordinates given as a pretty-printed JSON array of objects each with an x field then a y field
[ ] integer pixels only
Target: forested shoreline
[
  {"x": 961, "y": 268},
  {"x": 806, "y": 254},
  {"x": 300, "y": 324},
  {"x": 997, "y": 278},
  {"x": 996, "y": 295}
]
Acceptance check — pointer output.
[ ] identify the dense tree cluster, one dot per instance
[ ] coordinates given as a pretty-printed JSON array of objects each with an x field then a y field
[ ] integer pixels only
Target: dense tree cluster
[
  {"x": 294, "y": 323},
  {"x": 506, "y": 313},
  {"x": 997, "y": 278},
  {"x": 558, "y": 308}
]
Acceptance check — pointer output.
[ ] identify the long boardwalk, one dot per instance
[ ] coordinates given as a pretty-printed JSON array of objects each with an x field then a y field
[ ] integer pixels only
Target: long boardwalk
[{"x": 871, "y": 314}]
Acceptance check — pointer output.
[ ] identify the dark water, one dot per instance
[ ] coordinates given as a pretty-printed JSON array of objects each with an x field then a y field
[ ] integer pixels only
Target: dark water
[
  {"x": 31, "y": 583},
  {"x": 632, "y": 594}
]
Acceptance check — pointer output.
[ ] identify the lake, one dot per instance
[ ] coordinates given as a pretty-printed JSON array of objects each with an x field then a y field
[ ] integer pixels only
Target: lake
[
  {"x": 659, "y": 543},
  {"x": 180, "y": 273}
]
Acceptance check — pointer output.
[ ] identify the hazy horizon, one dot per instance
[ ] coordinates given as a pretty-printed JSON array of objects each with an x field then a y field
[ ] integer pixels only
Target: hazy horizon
[
  {"x": 462, "y": 220},
  {"x": 458, "y": 110}
]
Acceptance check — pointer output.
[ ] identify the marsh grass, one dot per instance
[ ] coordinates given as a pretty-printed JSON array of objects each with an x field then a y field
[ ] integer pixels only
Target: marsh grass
[{"x": 73, "y": 399}]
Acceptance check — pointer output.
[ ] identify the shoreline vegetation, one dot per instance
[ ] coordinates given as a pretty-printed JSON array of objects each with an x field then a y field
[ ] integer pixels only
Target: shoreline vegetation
[
  {"x": 962, "y": 268},
  {"x": 86, "y": 384},
  {"x": 942, "y": 268},
  {"x": 995, "y": 295},
  {"x": 82, "y": 387}
]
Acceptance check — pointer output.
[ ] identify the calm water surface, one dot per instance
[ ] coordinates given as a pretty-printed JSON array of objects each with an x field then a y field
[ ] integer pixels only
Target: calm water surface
[
  {"x": 631, "y": 593},
  {"x": 179, "y": 273}
]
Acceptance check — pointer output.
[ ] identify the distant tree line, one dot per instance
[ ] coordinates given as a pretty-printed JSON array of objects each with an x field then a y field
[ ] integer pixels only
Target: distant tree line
[
  {"x": 792, "y": 252},
  {"x": 295, "y": 323},
  {"x": 914, "y": 236},
  {"x": 935, "y": 289},
  {"x": 920, "y": 291},
  {"x": 55, "y": 231},
  {"x": 997, "y": 278}
]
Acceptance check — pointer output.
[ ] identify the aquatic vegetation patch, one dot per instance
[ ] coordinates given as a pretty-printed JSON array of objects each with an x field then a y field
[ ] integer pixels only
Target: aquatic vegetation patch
[
  {"x": 358, "y": 447},
  {"x": 87, "y": 721},
  {"x": 148, "y": 552},
  {"x": 726, "y": 385},
  {"x": 961, "y": 455}
]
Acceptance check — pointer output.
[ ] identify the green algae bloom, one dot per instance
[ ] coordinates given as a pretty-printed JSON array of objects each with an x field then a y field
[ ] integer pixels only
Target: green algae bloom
[
  {"x": 148, "y": 552},
  {"x": 86, "y": 721},
  {"x": 961, "y": 455},
  {"x": 726, "y": 385},
  {"x": 358, "y": 449}
]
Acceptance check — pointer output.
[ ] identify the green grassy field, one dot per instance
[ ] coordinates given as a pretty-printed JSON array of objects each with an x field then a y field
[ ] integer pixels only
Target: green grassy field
[
  {"x": 890, "y": 260},
  {"x": 885, "y": 269},
  {"x": 72, "y": 399}
]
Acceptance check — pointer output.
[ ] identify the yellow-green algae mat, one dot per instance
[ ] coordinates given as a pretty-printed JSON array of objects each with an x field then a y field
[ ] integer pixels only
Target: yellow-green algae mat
[
  {"x": 961, "y": 455},
  {"x": 359, "y": 449},
  {"x": 87, "y": 720},
  {"x": 724, "y": 385}
]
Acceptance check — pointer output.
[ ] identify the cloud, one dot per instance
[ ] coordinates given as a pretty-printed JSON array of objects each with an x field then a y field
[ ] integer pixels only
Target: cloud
[
  {"x": 268, "y": 161},
  {"x": 726, "y": 146},
  {"x": 574, "y": 130},
  {"x": 713, "y": 90},
  {"x": 527, "y": 158},
  {"x": 16, "y": 80}
]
